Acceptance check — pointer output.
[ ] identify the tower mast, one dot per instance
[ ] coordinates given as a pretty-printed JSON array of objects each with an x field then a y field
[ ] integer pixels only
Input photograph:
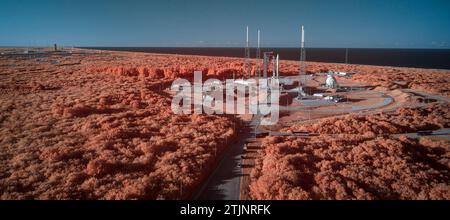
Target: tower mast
[
  {"x": 302, "y": 53},
  {"x": 277, "y": 66},
  {"x": 302, "y": 66},
  {"x": 247, "y": 56},
  {"x": 258, "y": 57},
  {"x": 346, "y": 55}
]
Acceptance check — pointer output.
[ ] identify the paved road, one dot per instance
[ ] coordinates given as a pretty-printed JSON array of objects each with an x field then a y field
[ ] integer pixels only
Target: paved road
[
  {"x": 428, "y": 95},
  {"x": 224, "y": 182},
  {"x": 441, "y": 133}
]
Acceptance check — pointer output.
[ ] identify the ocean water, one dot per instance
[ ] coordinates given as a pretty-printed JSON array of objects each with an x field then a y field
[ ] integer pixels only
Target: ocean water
[{"x": 422, "y": 58}]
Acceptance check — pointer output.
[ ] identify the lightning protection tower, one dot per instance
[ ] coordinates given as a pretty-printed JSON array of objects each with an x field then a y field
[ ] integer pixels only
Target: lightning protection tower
[
  {"x": 247, "y": 57},
  {"x": 302, "y": 65},
  {"x": 258, "y": 57}
]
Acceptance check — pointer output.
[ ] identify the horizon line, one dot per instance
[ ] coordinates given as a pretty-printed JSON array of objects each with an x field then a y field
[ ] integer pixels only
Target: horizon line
[{"x": 282, "y": 47}]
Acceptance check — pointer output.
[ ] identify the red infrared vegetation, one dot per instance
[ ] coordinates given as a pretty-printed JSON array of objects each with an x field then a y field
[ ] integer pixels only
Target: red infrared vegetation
[
  {"x": 355, "y": 157},
  {"x": 68, "y": 134},
  {"x": 98, "y": 125},
  {"x": 172, "y": 66}
]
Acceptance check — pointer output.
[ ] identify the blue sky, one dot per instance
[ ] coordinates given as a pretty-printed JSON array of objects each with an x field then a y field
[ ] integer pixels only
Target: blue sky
[{"x": 328, "y": 23}]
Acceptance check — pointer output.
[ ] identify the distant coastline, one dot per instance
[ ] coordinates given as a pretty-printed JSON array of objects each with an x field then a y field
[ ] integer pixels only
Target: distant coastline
[{"x": 418, "y": 58}]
